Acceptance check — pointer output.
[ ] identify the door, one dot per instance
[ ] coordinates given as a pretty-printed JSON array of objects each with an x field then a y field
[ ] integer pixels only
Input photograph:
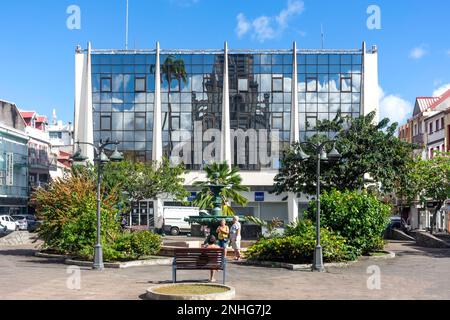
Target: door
[{"x": 9, "y": 223}]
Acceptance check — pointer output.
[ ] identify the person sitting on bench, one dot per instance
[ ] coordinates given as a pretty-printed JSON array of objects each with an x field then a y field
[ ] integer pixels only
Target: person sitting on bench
[{"x": 212, "y": 245}]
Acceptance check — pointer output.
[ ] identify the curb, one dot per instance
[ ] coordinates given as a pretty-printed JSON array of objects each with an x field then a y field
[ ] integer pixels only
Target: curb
[
  {"x": 152, "y": 261},
  {"x": 58, "y": 257},
  {"x": 228, "y": 295},
  {"x": 123, "y": 265},
  {"x": 308, "y": 267}
]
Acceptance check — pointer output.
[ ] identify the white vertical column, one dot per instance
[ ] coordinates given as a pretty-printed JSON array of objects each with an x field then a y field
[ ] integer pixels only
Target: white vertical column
[
  {"x": 295, "y": 131},
  {"x": 295, "y": 123},
  {"x": 157, "y": 152},
  {"x": 370, "y": 86},
  {"x": 83, "y": 122},
  {"x": 225, "y": 146}
]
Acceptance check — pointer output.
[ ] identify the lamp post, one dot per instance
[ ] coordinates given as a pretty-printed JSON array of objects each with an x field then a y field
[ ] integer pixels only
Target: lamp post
[
  {"x": 333, "y": 156},
  {"x": 101, "y": 159}
]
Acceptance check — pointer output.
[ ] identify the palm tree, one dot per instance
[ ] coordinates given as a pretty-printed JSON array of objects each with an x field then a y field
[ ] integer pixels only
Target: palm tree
[
  {"x": 172, "y": 69},
  {"x": 221, "y": 174}
]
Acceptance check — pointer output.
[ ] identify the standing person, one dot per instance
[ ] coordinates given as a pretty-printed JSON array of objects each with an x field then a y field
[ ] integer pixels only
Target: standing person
[
  {"x": 235, "y": 237},
  {"x": 212, "y": 245},
  {"x": 223, "y": 233}
]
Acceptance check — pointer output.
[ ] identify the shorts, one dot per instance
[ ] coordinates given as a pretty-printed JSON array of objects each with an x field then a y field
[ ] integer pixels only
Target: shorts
[
  {"x": 223, "y": 243},
  {"x": 236, "y": 243}
]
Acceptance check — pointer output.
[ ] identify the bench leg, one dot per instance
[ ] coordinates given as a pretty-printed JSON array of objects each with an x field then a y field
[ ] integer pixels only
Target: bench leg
[
  {"x": 174, "y": 274},
  {"x": 224, "y": 273}
]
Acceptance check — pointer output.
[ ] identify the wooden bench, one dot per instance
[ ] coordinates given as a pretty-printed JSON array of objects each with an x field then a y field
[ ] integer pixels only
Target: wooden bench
[{"x": 199, "y": 259}]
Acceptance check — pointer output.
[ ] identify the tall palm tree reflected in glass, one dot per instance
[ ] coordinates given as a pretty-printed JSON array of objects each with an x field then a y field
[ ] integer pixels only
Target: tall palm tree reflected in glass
[{"x": 172, "y": 69}]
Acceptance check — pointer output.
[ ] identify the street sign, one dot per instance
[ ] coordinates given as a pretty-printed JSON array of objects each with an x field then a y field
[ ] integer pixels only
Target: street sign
[
  {"x": 10, "y": 169},
  {"x": 192, "y": 197},
  {"x": 259, "y": 196},
  {"x": 432, "y": 204}
]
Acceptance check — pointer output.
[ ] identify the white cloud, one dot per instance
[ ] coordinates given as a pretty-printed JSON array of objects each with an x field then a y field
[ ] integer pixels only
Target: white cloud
[
  {"x": 264, "y": 27},
  {"x": 184, "y": 3},
  {"x": 441, "y": 90},
  {"x": 418, "y": 52},
  {"x": 394, "y": 107},
  {"x": 243, "y": 25},
  {"x": 293, "y": 8}
]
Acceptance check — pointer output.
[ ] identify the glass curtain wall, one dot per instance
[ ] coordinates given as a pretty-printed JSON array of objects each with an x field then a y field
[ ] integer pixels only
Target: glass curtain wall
[
  {"x": 191, "y": 94},
  {"x": 260, "y": 99},
  {"x": 328, "y": 84},
  {"x": 123, "y": 88}
]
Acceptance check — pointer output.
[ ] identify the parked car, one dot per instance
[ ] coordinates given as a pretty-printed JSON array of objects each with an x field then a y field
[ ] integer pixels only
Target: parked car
[
  {"x": 9, "y": 222},
  {"x": 27, "y": 222},
  {"x": 3, "y": 230},
  {"x": 398, "y": 223}
]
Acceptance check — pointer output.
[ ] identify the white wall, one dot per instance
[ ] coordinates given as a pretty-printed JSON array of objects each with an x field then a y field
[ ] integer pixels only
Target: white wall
[{"x": 371, "y": 99}]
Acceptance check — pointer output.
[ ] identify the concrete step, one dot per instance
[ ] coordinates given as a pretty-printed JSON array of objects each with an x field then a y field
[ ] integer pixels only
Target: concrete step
[{"x": 425, "y": 239}]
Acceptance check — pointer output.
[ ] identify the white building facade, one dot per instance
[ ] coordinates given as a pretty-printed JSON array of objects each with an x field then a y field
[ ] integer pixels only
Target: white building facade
[{"x": 271, "y": 98}]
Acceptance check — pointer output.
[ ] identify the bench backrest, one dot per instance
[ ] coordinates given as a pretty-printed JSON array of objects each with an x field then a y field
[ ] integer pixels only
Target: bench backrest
[{"x": 208, "y": 259}]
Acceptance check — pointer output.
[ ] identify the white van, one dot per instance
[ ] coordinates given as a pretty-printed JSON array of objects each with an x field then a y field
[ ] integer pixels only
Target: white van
[{"x": 174, "y": 219}]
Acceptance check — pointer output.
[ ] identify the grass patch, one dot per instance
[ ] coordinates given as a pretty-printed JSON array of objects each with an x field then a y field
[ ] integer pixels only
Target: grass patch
[
  {"x": 377, "y": 254},
  {"x": 191, "y": 289}
]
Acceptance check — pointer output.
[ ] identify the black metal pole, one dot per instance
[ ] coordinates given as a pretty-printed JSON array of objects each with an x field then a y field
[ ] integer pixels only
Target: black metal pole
[
  {"x": 318, "y": 257},
  {"x": 98, "y": 254}
]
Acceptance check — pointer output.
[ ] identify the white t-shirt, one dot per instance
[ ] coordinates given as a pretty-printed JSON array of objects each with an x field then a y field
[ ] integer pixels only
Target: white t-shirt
[{"x": 234, "y": 229}]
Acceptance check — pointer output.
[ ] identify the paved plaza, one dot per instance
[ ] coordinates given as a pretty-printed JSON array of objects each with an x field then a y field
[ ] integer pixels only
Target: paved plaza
[{"x": 416, "y": 273}]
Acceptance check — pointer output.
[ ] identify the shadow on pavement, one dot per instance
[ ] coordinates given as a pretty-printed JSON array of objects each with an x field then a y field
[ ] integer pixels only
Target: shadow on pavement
[
  {"x": 17, "y": 252},
  {"x": 423, "y": 251}
]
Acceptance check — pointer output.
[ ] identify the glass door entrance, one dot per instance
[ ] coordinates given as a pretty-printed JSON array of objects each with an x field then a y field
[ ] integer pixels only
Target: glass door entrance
[{"x": 142, "y": 215}]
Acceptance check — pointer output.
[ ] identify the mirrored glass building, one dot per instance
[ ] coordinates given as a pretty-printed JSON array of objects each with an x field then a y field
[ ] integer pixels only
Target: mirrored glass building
[{"x": 249, "y": 103}]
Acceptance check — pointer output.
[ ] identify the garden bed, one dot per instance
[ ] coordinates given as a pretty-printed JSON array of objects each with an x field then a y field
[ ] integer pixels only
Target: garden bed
[
  {"x": 74, "y": 261},
  {"x": 308, "y": 267}
]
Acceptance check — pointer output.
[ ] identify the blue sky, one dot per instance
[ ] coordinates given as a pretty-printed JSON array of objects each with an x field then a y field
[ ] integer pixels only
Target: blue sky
[{"x": 37, "y": 55}]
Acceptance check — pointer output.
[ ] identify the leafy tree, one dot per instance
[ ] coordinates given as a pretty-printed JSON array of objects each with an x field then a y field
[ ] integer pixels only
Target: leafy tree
[
  {"x": 139, "y": 181},
  {"x": 428, "y": 180},
  {"x": 371, "y": 154},
  {"x": 220, "y": 173}
]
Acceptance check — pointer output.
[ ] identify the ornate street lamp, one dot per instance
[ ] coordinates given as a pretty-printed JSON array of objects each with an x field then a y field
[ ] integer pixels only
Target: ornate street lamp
[
  {"x": 100, "y": 159},
  {"x": 332, "y": 157}
]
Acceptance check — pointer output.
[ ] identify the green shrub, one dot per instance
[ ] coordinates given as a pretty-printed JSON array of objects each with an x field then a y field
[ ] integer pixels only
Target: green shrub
[
  {"x": 138, "y": 244},
  {"x": 298, "y": 245},
  {"x": 358, "y": 216}
]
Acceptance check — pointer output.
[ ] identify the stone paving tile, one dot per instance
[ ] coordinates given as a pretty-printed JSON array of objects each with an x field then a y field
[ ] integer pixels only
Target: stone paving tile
[{"x": 416, "y": 273}]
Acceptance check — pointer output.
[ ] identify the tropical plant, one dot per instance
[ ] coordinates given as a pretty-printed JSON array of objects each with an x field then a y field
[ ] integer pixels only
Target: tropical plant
[
  {"x": 221, "y": 174},
  {"x": 371, "y": 155},
  {"x": 172, "y": 69},
  {"x": 299, "y": 246},
  {"x": 270, "y": 226},
  {"x": 358, "y": 216}
]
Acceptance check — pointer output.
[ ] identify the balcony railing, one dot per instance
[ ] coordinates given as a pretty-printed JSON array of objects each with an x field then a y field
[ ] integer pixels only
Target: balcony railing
[{"x": 419, "y": 139}]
